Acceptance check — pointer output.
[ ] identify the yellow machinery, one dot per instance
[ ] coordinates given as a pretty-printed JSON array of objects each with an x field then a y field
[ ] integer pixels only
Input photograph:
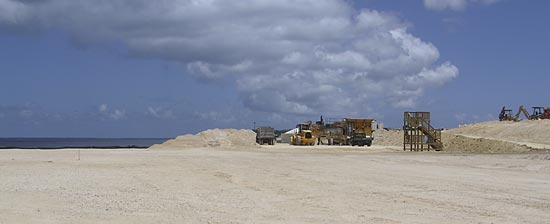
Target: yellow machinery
[
  {"x": 304, "y": 135},
  {"x": 349, "y": 131},
  {"x": 359, "y": 131}
]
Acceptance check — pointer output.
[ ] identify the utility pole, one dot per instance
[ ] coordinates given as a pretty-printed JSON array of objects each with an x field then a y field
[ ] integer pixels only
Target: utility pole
[{"x": 254, "y": 125}]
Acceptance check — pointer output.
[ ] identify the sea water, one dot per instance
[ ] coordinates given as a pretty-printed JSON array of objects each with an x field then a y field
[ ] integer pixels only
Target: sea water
[{"x": 55, "y": 143}]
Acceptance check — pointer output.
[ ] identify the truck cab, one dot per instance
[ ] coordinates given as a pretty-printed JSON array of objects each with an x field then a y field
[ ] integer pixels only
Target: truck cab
[
  {"x": 360, "y": 131},
  {"x": 361, "y": 139}
]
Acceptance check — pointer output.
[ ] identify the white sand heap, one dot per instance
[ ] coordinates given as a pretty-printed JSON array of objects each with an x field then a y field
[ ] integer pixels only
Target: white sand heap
[
  {"x": 499, "y": 136},
  {"x": 459, "y": 143},
  {"x": 537, "y": 131},
  {"x": 212, "y": 138},
  {"x": 390, "y": 137}
]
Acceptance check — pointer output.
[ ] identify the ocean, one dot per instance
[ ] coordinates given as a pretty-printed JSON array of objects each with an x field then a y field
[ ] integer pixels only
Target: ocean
[{"x": 59, "y": 143}]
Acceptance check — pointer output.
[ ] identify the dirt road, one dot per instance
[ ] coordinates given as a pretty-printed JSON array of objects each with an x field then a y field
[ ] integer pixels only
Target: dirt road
[{"x": 280, "y": 184}]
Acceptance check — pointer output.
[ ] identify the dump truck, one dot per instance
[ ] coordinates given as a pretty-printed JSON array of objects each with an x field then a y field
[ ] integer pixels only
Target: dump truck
[
  {"x": 359, "y": 131},
  {"x": 304, "y": 135},
  {"x": 335, "y": 134},
  {"x": 265, "y": 135}
]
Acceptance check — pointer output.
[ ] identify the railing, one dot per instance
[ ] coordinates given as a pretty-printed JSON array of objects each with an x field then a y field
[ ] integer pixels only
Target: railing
[
  {"x": 421, "y": 121},
  {"x": 434, "y": 135}
]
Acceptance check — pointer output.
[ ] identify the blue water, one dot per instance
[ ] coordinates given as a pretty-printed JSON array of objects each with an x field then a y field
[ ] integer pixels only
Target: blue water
[{"x": 54, "y": 143}]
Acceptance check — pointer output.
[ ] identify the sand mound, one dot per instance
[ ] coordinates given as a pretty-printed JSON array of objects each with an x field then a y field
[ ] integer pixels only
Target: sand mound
[
  {"x": 537, "y": 132},
  {"x": 225, "y": 138},
  {"x": 497, "y": 136},
  {"x": 459, "y": 143},
  {"x": 388, "y": 137}
]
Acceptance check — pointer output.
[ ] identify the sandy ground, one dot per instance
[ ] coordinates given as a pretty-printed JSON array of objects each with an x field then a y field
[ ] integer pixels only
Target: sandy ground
[{"x": 280, "y": 184}]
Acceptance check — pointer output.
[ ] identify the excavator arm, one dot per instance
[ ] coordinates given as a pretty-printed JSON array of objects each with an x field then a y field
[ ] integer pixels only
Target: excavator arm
[{"x": 524, "y": 111}]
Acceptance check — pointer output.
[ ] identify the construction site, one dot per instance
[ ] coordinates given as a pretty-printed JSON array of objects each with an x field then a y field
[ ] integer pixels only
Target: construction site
[
  {"x": 349, "y": 170},
  {"x": 419, "y": 132}
]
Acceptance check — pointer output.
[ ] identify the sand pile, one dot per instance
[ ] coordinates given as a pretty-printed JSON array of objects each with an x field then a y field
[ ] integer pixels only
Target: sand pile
[
  {"x": 388, "y": 137},
  {"x": 537, "y": 131},
  {"x": 459, "y": 143},
  {"x": 497, "y": 136},
  {"x": 212, "y": 138}
]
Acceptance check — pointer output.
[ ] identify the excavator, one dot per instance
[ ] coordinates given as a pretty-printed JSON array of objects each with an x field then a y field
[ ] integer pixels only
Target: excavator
[
  {"x": 540, "y": 113},
  {"x": 525, "y": 113},
  {"x": 506, "y": 115}
]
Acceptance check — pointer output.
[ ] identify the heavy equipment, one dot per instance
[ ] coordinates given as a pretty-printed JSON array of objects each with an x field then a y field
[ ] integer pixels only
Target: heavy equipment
[
  {"x": 330, "y": 133},
  {"x": 265, "y": 135},
  {"x": 506, "y": 115},
  {"x": 540, "y": 113},
  {"x": 525, "y": 113},
  {"x": 346, "y": 131},
  {"x": 304, "y": 135},
  {"x": 336, "y": 133},
  {"x": 359, "y": 131}
]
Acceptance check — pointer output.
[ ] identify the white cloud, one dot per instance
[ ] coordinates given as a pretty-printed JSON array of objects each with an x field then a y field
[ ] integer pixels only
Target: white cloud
[
  {"x": 102, "y": 108},
  {"x": 456, "y": 5},
  {"x": 289, "y": 56},
  {"x": 216, "y": 116},
  {"x": 26, "y": 113},
  {"x": 106, "y": 113},
  {"x": 464, "y": 118},
  {"x": 117, "y": 114},
  {"x": 460, "y": 117},
  {"x": 12, "y": 12},
  {"x": 159, "y": 112}
]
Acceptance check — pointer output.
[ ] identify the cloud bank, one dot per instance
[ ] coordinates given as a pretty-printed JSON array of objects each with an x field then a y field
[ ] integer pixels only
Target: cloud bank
[
  {"x": 456, "y": 5},
  {"x": 287, "y": 56}
]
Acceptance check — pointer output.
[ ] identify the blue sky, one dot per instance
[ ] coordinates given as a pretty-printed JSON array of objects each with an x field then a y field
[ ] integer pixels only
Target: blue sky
[{"x": 136, "y": 69}]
